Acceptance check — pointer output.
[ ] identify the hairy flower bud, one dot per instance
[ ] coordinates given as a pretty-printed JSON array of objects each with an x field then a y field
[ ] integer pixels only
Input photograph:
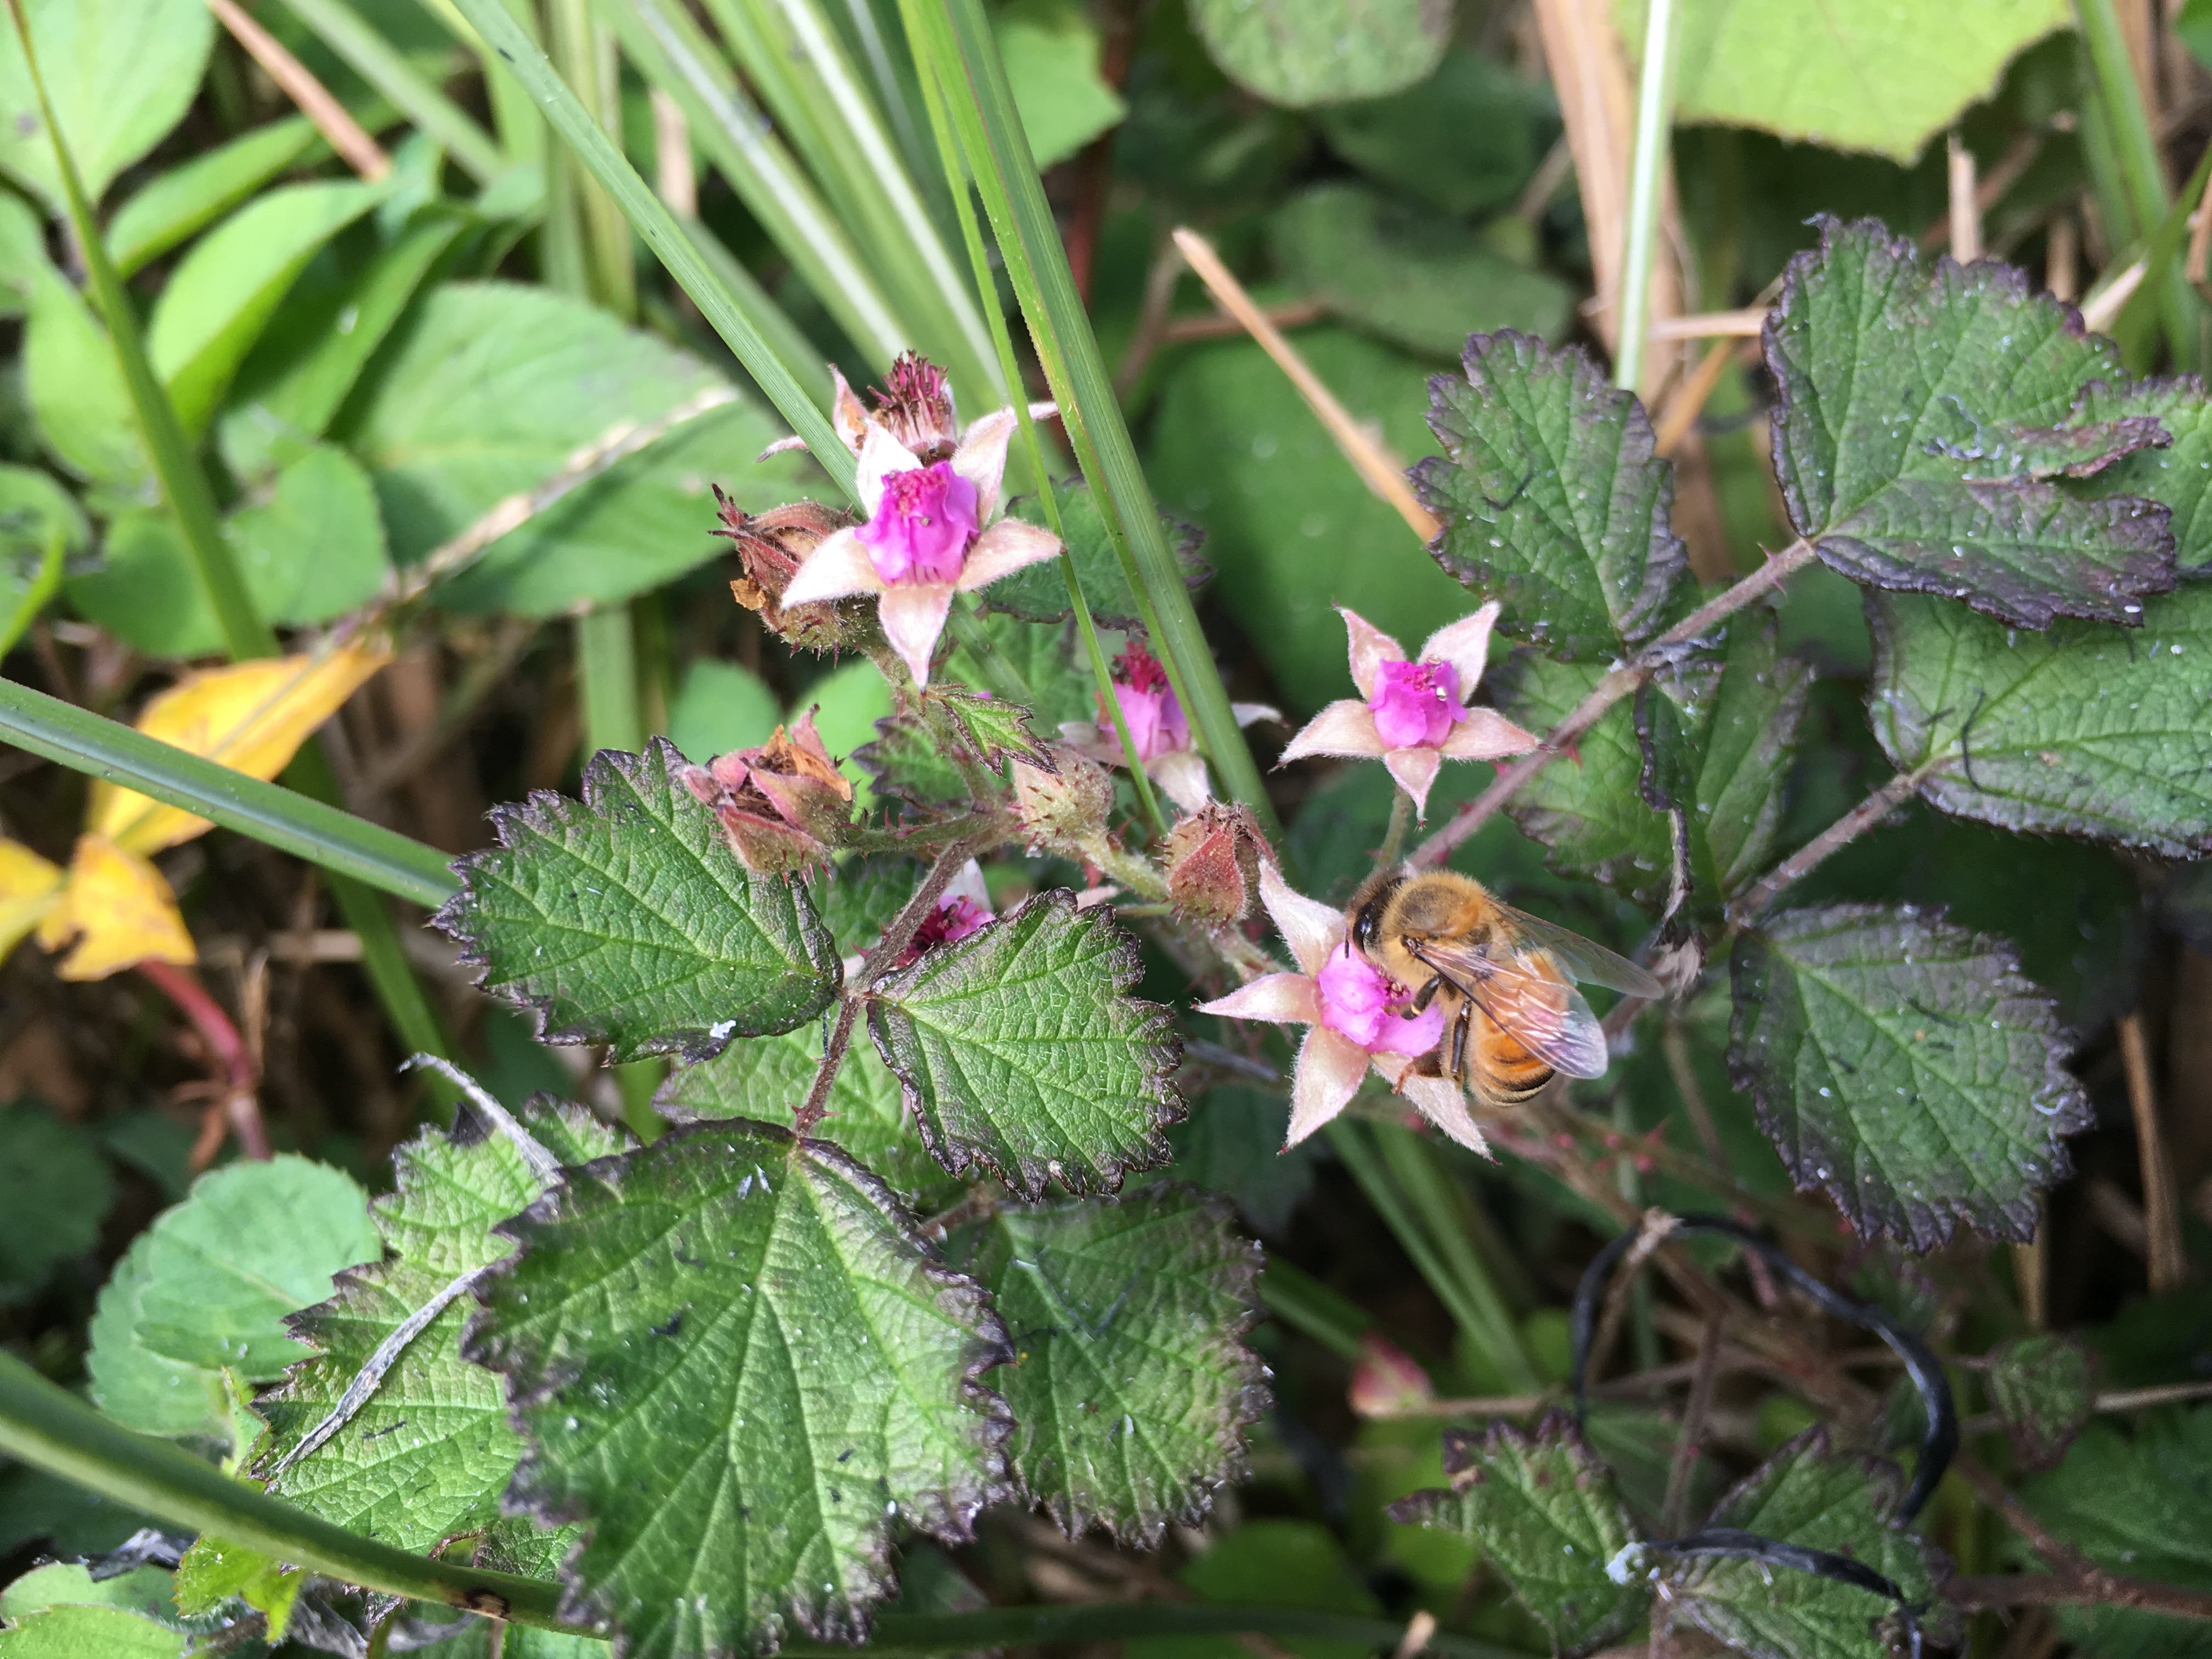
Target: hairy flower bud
[
  {"x": 771, "y": 546},
  {"x": 1064, "y": 810},
  {"x": 1213, "y": 863},
  {"x": 782, "y": 805}
]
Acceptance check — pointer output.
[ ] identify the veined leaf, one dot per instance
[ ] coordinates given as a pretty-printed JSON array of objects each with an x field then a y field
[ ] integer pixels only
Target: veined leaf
[
  {"x": 1131, "y": 1384},
  {"x": 2174, "y": 475},
  {"x": 1301, "y": 52},
  {"x": 625, "y": 919},
  {"x": 1021, "y": 1051},
  {"x": 1805, "y": 1494},
  {"x": 206, "y": 1288},
  {"x": 2043, "y": 1388},
  {"x": 1906, "y": 1067},
  {"x": 427, "y": 1455},
  {"x": 751, "y": 1320},
  {"x": 1931, "y": 469},
  {"x": 1549, "y": 1519},
  {"x": 2084, "y": 731},
  {"x": 1552, "y": 496}
]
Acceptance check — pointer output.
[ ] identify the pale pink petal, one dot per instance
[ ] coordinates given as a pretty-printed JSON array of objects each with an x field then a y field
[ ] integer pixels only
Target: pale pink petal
[
  {"x": 1005, "y": 548},
  {"x": 1309, "y": 927},
  {"x": 981, "y": 459},
  {"x": 1249, "y": 713},
  {"x": 913, "y": 616},
  {"x": 1486, "y": 734},
  {"x": 846, "y": 413},
  {"x": 1095, "y": 895},
  {"x": 1370, "y": 649},
  {"x": 1181, "y": 773},
  {"x": 1465, "y": 644},
  {"x": 838, "y": 569},
  {"x": 1283, "y": 999},
  {"x": 1046, "y": 410},
  {"x": 1329, "y": 1071},
  {"x": 1082, "y": 736},
  {"x": 780, "y": 446},
  {"x": 969, "y": 885},
  {"x": 1415, "y": 770},
  {"x": 1439, "y": 1100},
  {"x": 881, "y": 455},
  {"x": 1342, "y": 728}
]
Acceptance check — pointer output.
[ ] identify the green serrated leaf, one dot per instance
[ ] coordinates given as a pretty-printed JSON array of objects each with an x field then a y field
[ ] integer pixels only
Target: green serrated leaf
[
  {"x": 1552, "y": 496},
  {"x": 207, "y": 1287},
  {"x": 731, "y": 1354},
  {"x": 214, "y": 1571},
  {"x": 625, "y": 919},
  {"x": 1546, "y": 1515},
  {"x": 2175, "y": 475},
  {"x": 996, "y": 732},
  {"x": 1044, "y": 656},
  {"x": 2084, "y": 731},
  {"x": 1131, "y": 1384},
  {"x": 1906, "y": 1067},
  {"x": 1747, "y": 749},
  {"x": 426, "y": 1457},
  {"x": 2133, "y": 1502},
  {"x": 767, "y": 1078},
  {"x": 1021, "y": 1052},
  {"x": 1039, "y": 592},
  {"x": 54, "y": 1191},
  {"x": 2043, "y": 1388},
  {"x": 1838, "y": 1502},
  {"x": 1418, "y": 280},
  {"x": 1301, "y": 52},
  {"x": 1929, "y": 469}
]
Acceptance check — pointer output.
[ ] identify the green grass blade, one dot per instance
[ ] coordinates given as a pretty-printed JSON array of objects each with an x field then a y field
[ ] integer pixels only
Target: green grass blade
[
  {"x": 323, "y": 835},
  {"x": 373, "y": 58},
  {"x": 657, "y": 226},
  {"x": 957, "y": 37}
]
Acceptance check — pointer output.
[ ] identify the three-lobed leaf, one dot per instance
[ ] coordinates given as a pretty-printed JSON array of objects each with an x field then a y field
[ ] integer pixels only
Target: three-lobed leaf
[
  {"x": 1021, "y": 1052},
  {"x": 1552, "y": 496},
  {"x": 1907, "y": 1067},
  {"x": 1131, "y": 1384},
  {"x": 735, "y": 1361},
  {"x": 2083, "y": 731},
  {"x": 625, "y": 919},
  {"x": 1550, "y": 1521},
  {"x": 427, "y": 1455},
  {"x": 1924, "y": 417}
]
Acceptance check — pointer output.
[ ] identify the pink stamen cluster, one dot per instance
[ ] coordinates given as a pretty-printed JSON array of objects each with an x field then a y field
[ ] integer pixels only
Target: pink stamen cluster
[
  {"x": 1415, "y": 703},
  {"x": 1149, "y": 706},
  {"x": 1357, "y": 1000},
  {"x": 922, "y": 524}
]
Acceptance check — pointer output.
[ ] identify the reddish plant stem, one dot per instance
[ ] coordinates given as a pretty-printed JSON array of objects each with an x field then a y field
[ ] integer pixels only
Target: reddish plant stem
[
  {"x": 241, "y": 1077},
  {"x": 1608, "y": 691},
  {"x": 1872, "y": 810}
]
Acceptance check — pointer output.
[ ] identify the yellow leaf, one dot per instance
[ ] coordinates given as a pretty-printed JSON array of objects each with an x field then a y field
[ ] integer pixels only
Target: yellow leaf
[
  {"x": 118, "y": 909},
  {"x": 253, "y": 717},
  {"x": 29, "y": 888}
]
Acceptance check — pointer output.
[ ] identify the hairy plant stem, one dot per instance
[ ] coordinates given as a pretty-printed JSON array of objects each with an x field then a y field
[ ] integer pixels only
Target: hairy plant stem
[
  {"x": 1753, "y": 900},
  {"x": 1620, "y": 684},
  {"x": 1393, "y": 838}
]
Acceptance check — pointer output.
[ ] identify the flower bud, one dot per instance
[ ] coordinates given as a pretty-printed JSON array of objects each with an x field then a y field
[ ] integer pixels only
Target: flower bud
[
  {"x": 771, "y": 546},
  {"x": 782, "y": 805},
  {"x": 915, "y": 406},
  {"x": 1213, "y": 863},
  {"x": 1386, "y": 1382},
  {"x": 1063, "y": 810}
]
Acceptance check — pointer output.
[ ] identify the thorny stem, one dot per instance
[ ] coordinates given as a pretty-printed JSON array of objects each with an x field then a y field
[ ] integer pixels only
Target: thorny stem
[
  {"x": 1608, "y": 691},
  {"x": 1755, "y": 899}
]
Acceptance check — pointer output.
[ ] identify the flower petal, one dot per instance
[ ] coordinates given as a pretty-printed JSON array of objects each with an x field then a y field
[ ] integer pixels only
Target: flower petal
[
  {"x": 1342, "y": 728},
  {"x": 1439, "y": 1100},
  {"x": 981, "y": 459},
  {"x": 838, "y": 569},
  {"x": 1415, "y": 770},
  {"x": 1370, "y": 649},
  {"x": 913, "y": 616},
  {"x": 1465, "y": 644},
  {"x": 1005, "y": 548},
  {"x": 1329, "y": 1071},
  {"x": 1486, "y": 734},
  {"x": 1248, "y": 714},
  {"x": 847, "y": 413},
  {"x": 1181, "y": 774},
  {"x": 881, "y": 455},
  {"x": 1310, "y": 928},
  {"x": 1283, "y": 999}
]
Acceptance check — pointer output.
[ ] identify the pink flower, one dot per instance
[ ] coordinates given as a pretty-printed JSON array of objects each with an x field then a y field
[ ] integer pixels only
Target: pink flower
[
  {"x": 964, "y": 907},
  {"x": 1160, "y": 731},
  {"x": 928, "y": 534},
  {"x": 1357, "y": 1017},
  {"x": 1414, "y": 714}
]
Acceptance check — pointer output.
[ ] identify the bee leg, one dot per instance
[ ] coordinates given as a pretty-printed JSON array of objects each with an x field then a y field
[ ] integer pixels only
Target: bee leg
[
  {"x": 1428, "y": 994},
  {"x": 1459, "y": 1038},
  {"x": 1429, "y": 1064}
]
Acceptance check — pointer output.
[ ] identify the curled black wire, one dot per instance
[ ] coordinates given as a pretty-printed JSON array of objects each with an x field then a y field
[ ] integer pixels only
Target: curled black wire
[
  {"x": 1736, "y": 1546},
  {"x": 1936, "y": 1445}
]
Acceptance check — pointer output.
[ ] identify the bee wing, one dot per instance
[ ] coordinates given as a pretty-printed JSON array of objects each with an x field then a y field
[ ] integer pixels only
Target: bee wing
[
  {"x": 1546, "y": 1016},
  {"x": 1580, "y": 959}
]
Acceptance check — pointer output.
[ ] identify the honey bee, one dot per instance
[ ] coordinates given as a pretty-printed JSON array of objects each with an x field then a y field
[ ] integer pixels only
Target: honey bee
[{"x": 1507, "y": 980}]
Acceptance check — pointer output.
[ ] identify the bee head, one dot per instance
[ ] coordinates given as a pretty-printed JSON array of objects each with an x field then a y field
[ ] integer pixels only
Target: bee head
[{"x": 1367, "y": 916}]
